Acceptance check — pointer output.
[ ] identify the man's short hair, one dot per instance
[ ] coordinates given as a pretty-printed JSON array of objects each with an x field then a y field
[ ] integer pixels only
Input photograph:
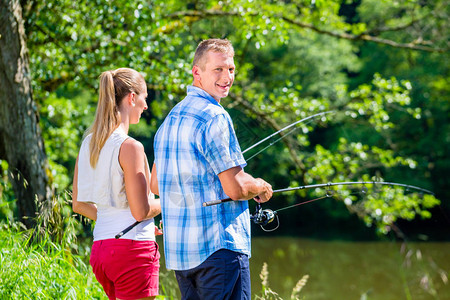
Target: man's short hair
[{"x": 215, "y": 45}]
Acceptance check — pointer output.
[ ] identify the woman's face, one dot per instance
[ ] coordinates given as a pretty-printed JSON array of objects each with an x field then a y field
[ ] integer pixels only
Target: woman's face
[{"x": 140, "y": 104}]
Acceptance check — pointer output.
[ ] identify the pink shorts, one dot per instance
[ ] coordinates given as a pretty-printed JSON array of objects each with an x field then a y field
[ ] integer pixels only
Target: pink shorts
[{"x": 126, "y": 269}]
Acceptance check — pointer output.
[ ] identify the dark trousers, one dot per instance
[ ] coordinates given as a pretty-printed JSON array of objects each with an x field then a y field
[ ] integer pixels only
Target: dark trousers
[{"x": 223, "y": 275}]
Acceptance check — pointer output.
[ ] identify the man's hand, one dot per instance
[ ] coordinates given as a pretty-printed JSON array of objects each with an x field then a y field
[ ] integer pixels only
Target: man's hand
[
  {"x": 158, "y": 229},
  {"x": 267, "y": 192}
]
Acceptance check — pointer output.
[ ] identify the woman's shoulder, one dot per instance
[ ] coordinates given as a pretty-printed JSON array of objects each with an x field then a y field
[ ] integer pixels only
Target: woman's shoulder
[
  {"x": 131, "y": 154},
  {"x": 131, "y": 146},
  {"x": 86, "y": 139}
]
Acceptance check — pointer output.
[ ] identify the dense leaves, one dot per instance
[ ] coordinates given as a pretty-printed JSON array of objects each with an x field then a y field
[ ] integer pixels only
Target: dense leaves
[{"x": 376, "y": 64}]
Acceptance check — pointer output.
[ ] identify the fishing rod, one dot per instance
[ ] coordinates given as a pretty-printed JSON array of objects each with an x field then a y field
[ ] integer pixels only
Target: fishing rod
[
  {"x": 285, "y": 128},
  {"x": 263, "y": 217},
  {"x": 305, "y": 187},
  {"x": 120, "y": 234}
]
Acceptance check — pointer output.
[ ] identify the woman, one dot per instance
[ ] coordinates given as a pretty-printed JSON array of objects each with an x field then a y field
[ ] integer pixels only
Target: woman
[{"x": 111, "y": 186}]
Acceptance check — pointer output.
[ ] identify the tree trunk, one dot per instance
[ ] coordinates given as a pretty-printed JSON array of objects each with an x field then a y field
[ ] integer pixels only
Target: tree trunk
[{"x": 21, "y": 143}]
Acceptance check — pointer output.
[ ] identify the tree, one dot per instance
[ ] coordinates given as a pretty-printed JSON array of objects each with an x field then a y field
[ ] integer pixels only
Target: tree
[{"x": 21, "y": 143}]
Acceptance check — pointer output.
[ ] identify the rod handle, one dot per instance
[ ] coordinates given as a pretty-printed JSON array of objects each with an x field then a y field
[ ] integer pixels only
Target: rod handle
[
  {"x": 214, "y": 202},
  {"x": 120, "y": 234}
]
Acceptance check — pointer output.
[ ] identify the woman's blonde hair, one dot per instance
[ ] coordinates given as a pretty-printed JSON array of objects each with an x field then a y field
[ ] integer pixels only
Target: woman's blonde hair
[{"x": 114, "y": 86}]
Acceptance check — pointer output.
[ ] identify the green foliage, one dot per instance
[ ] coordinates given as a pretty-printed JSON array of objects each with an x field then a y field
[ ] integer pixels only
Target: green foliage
[
  {"x": 378, "y": 102},
  {"x": 168, "y": 286},
  {"x": 294, "y": 59},
  {"x": 64, "y": 121},
  {"x": 48, "y": 262},
  {"x": 430, "y": 19},
  {"x": 43, "y": 270},
  {"x": 7, "y": 198}
]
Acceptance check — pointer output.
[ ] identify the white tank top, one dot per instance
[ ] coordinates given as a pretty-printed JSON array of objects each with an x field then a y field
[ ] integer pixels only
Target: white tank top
[{"x": 104, "y": 186}]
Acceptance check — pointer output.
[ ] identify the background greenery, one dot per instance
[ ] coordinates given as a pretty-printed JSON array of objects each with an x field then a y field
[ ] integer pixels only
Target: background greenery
[
  {"x": 294, "y": 59},
  {"x": 381, "y": 66}
]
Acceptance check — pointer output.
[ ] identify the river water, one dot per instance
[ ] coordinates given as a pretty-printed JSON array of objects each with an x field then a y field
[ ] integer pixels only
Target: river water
[
  {"x": 350, "y": 270},
  {"x": 353, "y": 270}
]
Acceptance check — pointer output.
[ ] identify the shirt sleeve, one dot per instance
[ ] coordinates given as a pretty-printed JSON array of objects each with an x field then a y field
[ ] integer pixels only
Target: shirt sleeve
[{"x": 222, "y": 150}]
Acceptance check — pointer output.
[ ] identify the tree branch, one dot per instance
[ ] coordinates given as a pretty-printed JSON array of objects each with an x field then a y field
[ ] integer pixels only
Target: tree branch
[
  {"x": 396, "y": 28},
  {"x": 342, "y": 35}
]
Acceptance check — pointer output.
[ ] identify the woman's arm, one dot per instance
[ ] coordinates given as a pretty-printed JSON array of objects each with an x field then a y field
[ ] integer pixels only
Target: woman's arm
[
  {"x": 88, "y": 210},
  {"x": 137, "y": 185},
  {"x": 154, "y": 181}
]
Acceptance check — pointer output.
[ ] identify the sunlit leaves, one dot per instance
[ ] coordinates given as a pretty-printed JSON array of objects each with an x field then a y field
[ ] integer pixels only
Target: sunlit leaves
[
  {"x": 378, "y": 205},
  {"x": 391, "y": 204},
  {"x": 63, "y": 125},
  {"x": 422, "y": 23},
  {"x": 375, "y": 102},
  {"x": 290, "y": 65}
]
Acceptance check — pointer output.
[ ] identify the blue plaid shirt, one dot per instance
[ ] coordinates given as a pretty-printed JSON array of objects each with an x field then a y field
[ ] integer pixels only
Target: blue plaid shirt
[{"x": 195, "y": 143}]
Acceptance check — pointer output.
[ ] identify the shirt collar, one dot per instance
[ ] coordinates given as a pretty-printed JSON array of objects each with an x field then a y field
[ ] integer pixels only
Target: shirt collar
[{"x": 198, "y": 92}]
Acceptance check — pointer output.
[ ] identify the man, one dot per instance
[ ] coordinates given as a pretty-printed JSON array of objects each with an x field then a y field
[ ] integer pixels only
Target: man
[{"x": 198, "y": 159}]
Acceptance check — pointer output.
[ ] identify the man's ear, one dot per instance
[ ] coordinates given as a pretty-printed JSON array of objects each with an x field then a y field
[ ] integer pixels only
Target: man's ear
[{"x": 196, "y": 72}]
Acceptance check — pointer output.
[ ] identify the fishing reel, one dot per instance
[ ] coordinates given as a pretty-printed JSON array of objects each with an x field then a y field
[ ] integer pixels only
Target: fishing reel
[{"x": 262, "y": 217}]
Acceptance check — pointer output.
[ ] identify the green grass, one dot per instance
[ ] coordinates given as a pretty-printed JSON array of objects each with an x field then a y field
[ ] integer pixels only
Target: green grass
[
  {"x": 38, "y": 268},
  {"x": 51, "y": 260},
  {"x": 42, "y": 269}
]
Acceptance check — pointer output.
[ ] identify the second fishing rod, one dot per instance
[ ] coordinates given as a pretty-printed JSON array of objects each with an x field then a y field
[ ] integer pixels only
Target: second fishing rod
[{"x": 292, "y": 125}]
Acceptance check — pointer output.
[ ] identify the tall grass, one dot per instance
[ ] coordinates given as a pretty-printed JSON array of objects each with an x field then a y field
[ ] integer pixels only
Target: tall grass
[
  {"x": 42, "y": 269},
  {"x": 268, "y": 294},
  {"x": 48, "y": 262}
]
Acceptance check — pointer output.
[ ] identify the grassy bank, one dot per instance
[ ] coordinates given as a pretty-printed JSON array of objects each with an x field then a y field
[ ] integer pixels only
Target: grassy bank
[
  {"x": 36, "y": 267},
  {"x": 51, "y": 261},
  {"x": 42, "y": 269}
]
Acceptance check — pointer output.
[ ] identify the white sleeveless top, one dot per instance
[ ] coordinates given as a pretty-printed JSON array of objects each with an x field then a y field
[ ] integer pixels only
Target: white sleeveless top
[{"x": 104, "y": 186}]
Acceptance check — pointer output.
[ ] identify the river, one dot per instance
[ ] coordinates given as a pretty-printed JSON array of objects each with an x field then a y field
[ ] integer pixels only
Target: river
[{"x": 351, "y": 270}]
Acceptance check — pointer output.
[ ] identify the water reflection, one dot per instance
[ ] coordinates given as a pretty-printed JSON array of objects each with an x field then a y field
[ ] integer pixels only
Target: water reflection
[{"x": 353, "y": 270}]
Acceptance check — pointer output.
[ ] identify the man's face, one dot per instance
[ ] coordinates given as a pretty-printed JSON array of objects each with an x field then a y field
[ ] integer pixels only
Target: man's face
[{"x": 217, "y": 75}]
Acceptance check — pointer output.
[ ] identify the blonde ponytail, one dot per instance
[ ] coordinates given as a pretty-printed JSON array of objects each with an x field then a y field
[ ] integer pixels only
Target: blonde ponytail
[{"x": 114, "y": 86}]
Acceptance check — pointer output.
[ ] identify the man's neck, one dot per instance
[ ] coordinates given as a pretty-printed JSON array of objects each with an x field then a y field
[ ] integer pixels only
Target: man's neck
[{"x": 198, "y": 85}]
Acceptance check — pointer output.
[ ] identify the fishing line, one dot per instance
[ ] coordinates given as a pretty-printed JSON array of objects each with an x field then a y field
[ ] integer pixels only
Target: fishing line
[
  {"x": 329, "y": 194},
  {"x": 301, "y": 203},
  {"x": 277, "y": 140},
  {"x": 285, "y": 128},
  {"x": 120, "y": 234},
  {"x": 263, "y": 217}
]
